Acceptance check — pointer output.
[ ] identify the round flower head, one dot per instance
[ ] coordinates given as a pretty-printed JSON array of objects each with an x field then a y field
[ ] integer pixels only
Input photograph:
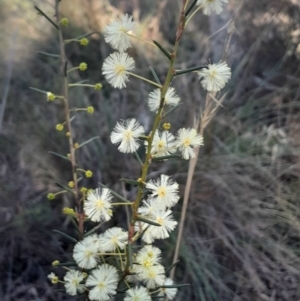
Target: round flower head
[
  {"x": 137, "y": 294},
  {"x": 215, "y": 76},
  {"x": 85, "y": 253},
  {"x": 127, "y": 133},
  {"x": 98, "y": 205},
  {"x": 153, "y": 276},
  {"x": 165, "y": 219},
  {"x": 72, "y": 282},
  {"x": 116, "y": 33},
  {"x": 164, "y": 191},
  {"x": 210, "y": 6},
  {"x": 148, "y": 256},
  {"x": 148, "y": 206},
  {"x": 169, "y": 292},
  {"x": 103, "y": 282},
  {"x": 163, "y": 144},
  {"x": 154, "y": 97},
  {"x": 113, "y": 239},
  {"x": 187, "y": 140},
  {"x": 116, "y": 67}
]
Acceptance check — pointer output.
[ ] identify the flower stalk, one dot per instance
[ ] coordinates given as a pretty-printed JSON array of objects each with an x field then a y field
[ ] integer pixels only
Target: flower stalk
[{"x": 68, "y": 121}]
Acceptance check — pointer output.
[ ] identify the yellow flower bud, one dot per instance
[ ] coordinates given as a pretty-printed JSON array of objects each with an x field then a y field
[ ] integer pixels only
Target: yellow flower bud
[
  {"x": 90, "y": 109},
  {"x": 55, "y": 263},
  {"x": 76, "y": 145},
  {"x": 64, "y": 21},
  {"x": 68, "y": 134},
  {"x": 71, "y": 184},
  {"x": 50, "y": 96},
  {"x": 69, "y": 211},
  {"x": 88, "y": 174},
  {"x": 54, "y": 280},
  {"x": 84, "y": 41},
  {"x": 98, "y": 86},
  {"x": 59, "y": 127},
  {"x": 82, "y": 66},
  {"x": 166, "y": 126},
  {"x": 50, "y": 196},
  {"x": 69, "y": 155},
  {"x": 83, "y": 190}
]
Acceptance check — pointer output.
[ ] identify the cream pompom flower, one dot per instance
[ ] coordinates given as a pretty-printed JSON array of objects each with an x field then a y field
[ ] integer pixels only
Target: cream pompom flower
[
  {"x": 171, "y": 98},
  {"x": 97, "y": 206},
  {"x": 163, "y": 144},
  {"x": 127, "y": 133},
  {"x": 187, "y": 140},
  {"x": 137, "y": 294},
  {"x": 210, "y": 6},
  {"x": 161, "y": 217},
  {"x": 215, "y": 76},
  {"x": 85, "y": 253},
  {"x": 148, "y": 256},
  {"x": 113, "y": 238},
  {"x": 164, "y": 192},
  {"x": 116, "y": 67},
  {"x": 170, "y": 292},
  {"x": 103, "y": 282},
  {"x": 154, "y": 276},
  {"x": 116, "y": 33},
  {"x": 72, "y": 282}
]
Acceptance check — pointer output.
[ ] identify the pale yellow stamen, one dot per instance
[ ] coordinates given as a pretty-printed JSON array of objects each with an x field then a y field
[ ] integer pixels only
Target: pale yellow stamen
[
  {"x": 128, "y": 135},
  {"x": 120, "y": 69},
  {"x": 187, "y": 142},
  {"x": 160, "y": 221},
  {"x": 99, "y": 204},
  {"x": 161, "y": 191}
]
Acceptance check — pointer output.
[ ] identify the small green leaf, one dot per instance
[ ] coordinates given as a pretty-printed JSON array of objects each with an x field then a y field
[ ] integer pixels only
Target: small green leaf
[
  {"x": 171, "y": 267},
  {"x": 132, "y": 182},
  {"x": 138, "y": 158},
  {"x": 59, "y": 155},
  {"x": 164, "y": 51},
  {"x": 65, "y": 187},
  {"x": 155, "y": 75},
  {"x": 165, "y": 157},
  {"x": 93, "y": 230},
  {"x": 48, "y": 54},
  {"x": 190, "y": 8},
  {"x": 147, "y": 221},
  {"x": 179, "y": 72},
  {"x": 67, "y": 264},
  {"x": 66, "y": 236},
  {"x": 172, "y": 109},
  {"x": 115, "y": 194},
  {"x": 88, "y": 141},
  {"x": 86, "y": 35},
  {"x": 42, "y": 13},
  {"x": 175, "y": 285},
  {"x": 38, "y": 90}
]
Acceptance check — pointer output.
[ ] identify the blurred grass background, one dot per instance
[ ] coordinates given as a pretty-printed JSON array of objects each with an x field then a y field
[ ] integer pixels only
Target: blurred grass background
[{"x": 241, "y": 240}]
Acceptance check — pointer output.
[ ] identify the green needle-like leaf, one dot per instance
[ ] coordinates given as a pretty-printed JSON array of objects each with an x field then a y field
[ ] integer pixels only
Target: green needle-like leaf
[
  {"x": 88, "y": 141},
  {"x": 66, "y": 236},
  {"x": 59, "y": 155},
  {"x": 163, "y": 50},
  {"x": 42, "y": 13},
  {"x": 64, "y": 187},
  {"x": 115, "y": 194},
  {"x": 155, "y": 75},
  {"x": 147, "y": 221}
]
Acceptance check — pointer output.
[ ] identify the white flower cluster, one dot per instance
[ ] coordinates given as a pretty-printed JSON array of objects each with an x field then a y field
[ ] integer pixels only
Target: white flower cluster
[
  {"x": 127, "y": 134},
  {"x": 104, "y": 268}
]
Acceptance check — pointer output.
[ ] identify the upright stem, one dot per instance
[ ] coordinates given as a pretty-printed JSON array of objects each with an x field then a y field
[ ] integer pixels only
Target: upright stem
[{"x": 68, "y": 122}]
